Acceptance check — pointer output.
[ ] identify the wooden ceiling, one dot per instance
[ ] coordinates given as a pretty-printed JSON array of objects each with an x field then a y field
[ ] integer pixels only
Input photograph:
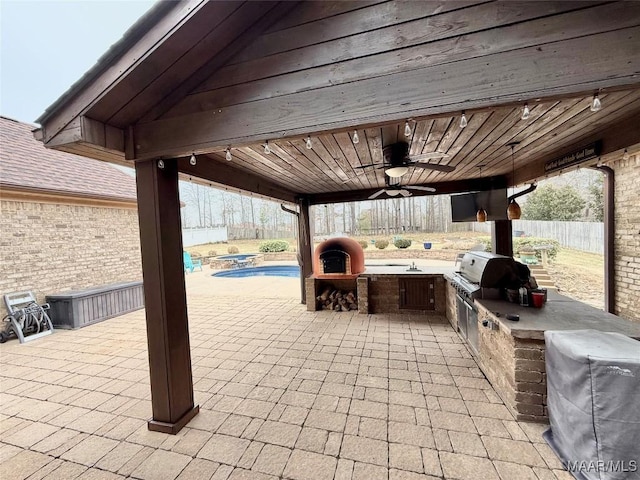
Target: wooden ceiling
[{"x": 197, "y": 76}]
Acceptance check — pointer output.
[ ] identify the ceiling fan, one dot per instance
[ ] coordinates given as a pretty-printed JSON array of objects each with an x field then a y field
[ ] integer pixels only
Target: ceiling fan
[
  {"x": 395, "y": 190},
  {"x": 397, "y": 161}
]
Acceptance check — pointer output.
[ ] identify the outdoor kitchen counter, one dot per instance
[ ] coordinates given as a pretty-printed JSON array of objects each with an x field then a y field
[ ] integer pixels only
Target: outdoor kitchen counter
[
  {"x": 402, "y": 270},
  {"x": 559, "y": 313}
]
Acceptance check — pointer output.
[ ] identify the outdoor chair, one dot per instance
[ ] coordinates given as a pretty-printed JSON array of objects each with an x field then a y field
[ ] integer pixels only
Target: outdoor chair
[{"x": 189, "y": 264}]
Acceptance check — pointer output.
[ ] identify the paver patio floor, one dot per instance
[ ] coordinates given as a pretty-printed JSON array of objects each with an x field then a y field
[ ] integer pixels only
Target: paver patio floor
[{"x": 284, "y": 393}]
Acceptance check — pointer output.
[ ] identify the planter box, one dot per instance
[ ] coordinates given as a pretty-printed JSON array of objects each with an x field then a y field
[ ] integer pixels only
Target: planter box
[{"x": 85, "y": 307}]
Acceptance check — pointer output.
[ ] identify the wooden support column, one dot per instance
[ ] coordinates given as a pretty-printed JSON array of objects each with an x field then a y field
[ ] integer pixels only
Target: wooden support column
[
  {"x": 305, "y": 246},
  {"x": 165, "y": 299},
  {"x": 501, "y": 237},
  {"x": 609, "y": 240}
]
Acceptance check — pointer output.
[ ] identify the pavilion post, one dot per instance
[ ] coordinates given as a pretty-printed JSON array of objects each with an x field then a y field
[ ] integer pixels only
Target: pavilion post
[
  {"x": 501, "y": 237},
  {"x": 305, "y": 246},
  {"x": 172, "y": 398},
  {"x": 609, "y": 239}
]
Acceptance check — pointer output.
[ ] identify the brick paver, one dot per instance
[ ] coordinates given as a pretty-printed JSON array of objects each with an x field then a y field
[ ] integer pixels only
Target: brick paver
[{"x": 284, "y": 394}]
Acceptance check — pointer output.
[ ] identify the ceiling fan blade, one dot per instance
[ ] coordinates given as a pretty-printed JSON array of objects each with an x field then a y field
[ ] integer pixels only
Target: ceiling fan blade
[
  {"x": 366, "y": 166},
  {"x": 377, "y": 194},
  {"x": 434, "y": 166},
  {"x": 428, "y": 156},
  {"x": 418, "y": 187},
  {"x": 404, "y": 193}
]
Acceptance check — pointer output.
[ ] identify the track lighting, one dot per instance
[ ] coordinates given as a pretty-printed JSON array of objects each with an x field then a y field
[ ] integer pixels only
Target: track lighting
[
  {"x": 267, "y": 150},
  {"x": 596, "y": 104},
  {"x": 463, "y": 120},
  {"x": 355, "y": 139},
  {"x": 525, "y": 112},
  {"x": 625, "y": 155},
  {"x": 407, "y": 129},
  {"x": 309, "y": 144},
  {"x": 227, "y": 154},
  {"x": 193, "y": 159}
]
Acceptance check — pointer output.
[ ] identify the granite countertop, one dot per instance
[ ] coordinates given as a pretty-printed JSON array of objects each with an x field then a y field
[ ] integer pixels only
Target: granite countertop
[
  {"x": 403, "y": 270},
  {"x": 559, "y": 313}
]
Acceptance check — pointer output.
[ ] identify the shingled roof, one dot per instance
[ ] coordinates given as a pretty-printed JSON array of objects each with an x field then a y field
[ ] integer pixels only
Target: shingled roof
[{"x": 26, "y": 163}]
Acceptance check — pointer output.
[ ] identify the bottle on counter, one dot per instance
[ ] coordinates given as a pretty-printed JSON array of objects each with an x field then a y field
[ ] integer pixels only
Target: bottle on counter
[{"x": 524, "y": 297}]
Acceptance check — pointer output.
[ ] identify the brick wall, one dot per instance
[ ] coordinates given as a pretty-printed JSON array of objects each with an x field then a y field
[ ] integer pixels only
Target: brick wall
[
  {"x": 627, "y": 238},
  {"x": 50, "y": 248}
]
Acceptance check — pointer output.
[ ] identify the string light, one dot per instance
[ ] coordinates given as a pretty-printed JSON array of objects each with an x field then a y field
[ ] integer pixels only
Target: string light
[
  {"x": 463, "y": 120},
  {"x": 193, "y": 159},
  {"x": 596, "y": 104},
  {"x": 309, "y": 145},
  {"x": 525, "y": 112},
  {"x": 355, "y": 139},
  {"x": 267, "y": 150},
  {"x": 407, "y": 129},
  {"x": 227, "y": 154}
]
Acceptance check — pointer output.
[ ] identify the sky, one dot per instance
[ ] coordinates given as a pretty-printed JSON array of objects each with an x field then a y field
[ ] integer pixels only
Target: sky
[{"x": 47, "y": 45}]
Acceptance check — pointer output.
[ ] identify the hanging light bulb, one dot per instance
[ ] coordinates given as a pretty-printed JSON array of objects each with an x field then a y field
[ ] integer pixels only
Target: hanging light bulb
[
  {"x": 625, "y": 155},
  {"x": 267, "y": 150},
  {"x": 160, "y": 164},
  {"x": 513, "y": 209},
  {"x": 227, "y": 154},
  {"x": 193, "y": 159},
  {"x": 355, "y": 139},
  {"x": 525, "y": 112},
  {"x": 309, "y": 145},
  {"x": 407, "y": 129},
  {"x": 481, "y": 214},
  {"x": 463, "y": 120},
  {"x": 596, "y": 104}
]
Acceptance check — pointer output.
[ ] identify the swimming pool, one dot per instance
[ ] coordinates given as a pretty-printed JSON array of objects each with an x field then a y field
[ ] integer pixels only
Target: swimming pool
[
  {"x": 271, "y": 271},
  {"x": 237, "y": 256}
]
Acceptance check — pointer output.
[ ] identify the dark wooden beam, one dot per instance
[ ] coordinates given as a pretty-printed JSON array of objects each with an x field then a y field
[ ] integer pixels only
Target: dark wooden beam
[
  {"x": 618, "y": 136},
  {"x": 609, "y": 240},
  {"x": 222, "y": 173},
  {"x": 502, "y": 237},
  {"x": 474, "y": 185},
  {"x": 305, "y": 246},
  {"x": 597, "y": 61},
  {"x": 172, "y": 399}
]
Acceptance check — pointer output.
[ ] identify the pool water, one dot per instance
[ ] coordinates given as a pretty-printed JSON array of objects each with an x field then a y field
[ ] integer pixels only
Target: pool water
[
  {"x": 271, "y": 271},
  {"x": 237, "y": 256}
]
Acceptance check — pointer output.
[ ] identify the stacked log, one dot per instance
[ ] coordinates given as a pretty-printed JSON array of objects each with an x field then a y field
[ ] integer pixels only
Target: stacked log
[{"x": 337, "y": 300}]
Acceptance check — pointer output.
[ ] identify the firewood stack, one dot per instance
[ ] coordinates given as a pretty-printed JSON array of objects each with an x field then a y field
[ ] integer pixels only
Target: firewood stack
[{"x": 337, "y": 300}]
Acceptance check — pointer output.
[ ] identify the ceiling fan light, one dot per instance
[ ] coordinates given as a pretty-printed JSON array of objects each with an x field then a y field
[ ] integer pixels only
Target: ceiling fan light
[
  {"x": 513, "y": 210},
  {"x": 393, "y": 193},
  {"x": 396, "y": 172},
  {"x": 481, "y": 215}
]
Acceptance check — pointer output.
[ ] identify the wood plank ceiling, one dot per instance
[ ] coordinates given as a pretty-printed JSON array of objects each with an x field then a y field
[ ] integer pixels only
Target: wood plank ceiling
[{"x": 234, "y": 74}]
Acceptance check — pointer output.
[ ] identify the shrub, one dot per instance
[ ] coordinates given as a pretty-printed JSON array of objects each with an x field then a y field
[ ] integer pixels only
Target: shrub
[
  {"x": 212, "y": 253},
  {"x": 402, "y": 243},
  {"x": 382, "y": 244},
  {"x": 363, "y": 244},
  {"x": 195, "y": 254},
  {"x": 273, "y": 246},
  {"x": 233, "y": 249},
  {"x": 486, "y": 241}
]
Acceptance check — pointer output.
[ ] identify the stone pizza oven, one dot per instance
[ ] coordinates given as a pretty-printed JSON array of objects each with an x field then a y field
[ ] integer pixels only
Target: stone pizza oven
[{"x": 338, "y": 258}]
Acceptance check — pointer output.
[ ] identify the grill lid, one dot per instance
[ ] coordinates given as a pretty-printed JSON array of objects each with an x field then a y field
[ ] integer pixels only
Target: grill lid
[{"x": 488, "y": 269}]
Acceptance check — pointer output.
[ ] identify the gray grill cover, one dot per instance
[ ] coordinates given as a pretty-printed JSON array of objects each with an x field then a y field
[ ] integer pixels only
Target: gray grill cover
[{"x": 593, "y": 399}]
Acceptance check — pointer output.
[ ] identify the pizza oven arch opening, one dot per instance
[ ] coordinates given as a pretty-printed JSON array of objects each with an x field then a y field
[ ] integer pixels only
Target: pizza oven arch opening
[{"x": 338, "y": 257}]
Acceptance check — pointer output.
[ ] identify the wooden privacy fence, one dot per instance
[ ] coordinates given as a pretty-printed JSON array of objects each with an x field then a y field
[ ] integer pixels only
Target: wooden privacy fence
[{"x": 585, "y": 236}]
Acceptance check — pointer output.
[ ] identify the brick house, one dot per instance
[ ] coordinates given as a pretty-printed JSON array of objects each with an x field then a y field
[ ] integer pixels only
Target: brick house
[{"x": 67, "y": 222}]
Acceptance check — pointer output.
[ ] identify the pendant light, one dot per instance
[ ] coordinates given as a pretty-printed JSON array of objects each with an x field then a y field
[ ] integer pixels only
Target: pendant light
[
  {"x": 596, "y": 104},
  {"x": 355, "y": 139},
  {"x": 193, "y": 159},
  {"x": 481, "y": 214},
  {"x": 407, "y": 129},
  {"x": 227, "y": 154},
  {"x": 513, "y": 210}
]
